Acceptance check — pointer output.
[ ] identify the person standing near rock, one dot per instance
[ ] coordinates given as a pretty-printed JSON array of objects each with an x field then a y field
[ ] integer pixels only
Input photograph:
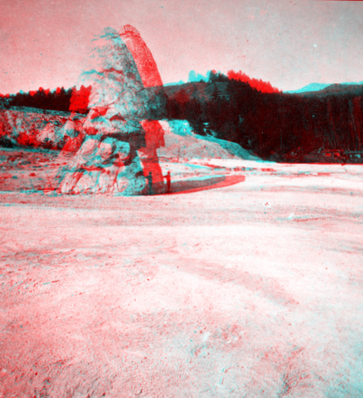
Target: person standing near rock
[
  {"x": 168, "y": 182},
  {"x": 150, "y": 183}
]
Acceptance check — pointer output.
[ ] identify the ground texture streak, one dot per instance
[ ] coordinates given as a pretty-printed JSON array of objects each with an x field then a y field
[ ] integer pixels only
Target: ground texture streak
[{"x": 248, "y": 290}]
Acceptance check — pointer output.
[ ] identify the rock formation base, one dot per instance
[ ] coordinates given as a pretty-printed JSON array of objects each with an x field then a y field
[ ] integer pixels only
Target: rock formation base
[{"x": 103, "y": 165}]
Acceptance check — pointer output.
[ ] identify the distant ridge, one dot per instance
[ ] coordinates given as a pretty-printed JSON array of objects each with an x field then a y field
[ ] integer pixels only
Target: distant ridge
[
  {"x": 318, "y": 87},
  {"x": 336, "y": 90}
]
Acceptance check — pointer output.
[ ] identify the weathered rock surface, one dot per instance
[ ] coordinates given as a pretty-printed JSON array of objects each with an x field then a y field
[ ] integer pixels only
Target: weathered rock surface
[
  {"x": 151, "y": 79},
  {"x": 118, "y": 96},
  {"x": 145, "y": 62},
  {"x": 30, "y": 128},
  {"x": 121, "y": 103},
  {"x": 50, "y": 133},
  {"x": 73, "y": 133},
  {"x": 148, "y": 70},
  {"x": 103, "y": 166}
]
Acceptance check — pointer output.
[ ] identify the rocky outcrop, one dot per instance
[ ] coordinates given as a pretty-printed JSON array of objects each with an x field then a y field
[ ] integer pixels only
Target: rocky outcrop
[
  {"x": 73, "y": 133},
  {"x": 121, "y": 102},
  {"x": 28, "y": 127},
  {"x": 50, "y": 133},
  {"x": 151, "y": 79},
  {"x": 148, "y": 70},
  {"x": 104, "y": 165},
  {"x": 144, "y": 60}
]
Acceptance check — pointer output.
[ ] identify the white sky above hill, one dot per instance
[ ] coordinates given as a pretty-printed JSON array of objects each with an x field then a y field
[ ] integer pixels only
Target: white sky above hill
[{"x": 288, "y": 43}]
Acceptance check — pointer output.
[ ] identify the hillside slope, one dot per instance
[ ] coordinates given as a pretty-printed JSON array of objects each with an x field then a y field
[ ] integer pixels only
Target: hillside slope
[
  {"x": 182, "y": 142},
  {"x": 201, "y": 91},
  {"x": 336, "y": 89}
]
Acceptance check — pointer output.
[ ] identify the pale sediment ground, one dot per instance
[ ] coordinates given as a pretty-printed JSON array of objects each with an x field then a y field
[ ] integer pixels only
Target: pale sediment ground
[{"x": 249, "y": 290}]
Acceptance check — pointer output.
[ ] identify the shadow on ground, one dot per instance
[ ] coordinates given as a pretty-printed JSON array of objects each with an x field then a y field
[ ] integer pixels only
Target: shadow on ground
[{"x": 190, "y": 186}]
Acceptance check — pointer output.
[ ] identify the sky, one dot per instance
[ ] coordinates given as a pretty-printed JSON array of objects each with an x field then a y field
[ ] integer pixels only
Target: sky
[{"x": 44, "y": 43}]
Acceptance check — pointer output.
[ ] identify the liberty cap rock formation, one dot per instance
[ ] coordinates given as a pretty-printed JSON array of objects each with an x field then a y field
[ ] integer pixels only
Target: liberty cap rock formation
[
  {"x": 144, "y": 60},
  {"x": 126, "y": 96},
  {"x": 154, "y": 133}
]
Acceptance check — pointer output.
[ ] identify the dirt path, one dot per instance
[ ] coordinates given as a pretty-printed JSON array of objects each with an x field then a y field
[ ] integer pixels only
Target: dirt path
[{"x": 251, "y": 290}]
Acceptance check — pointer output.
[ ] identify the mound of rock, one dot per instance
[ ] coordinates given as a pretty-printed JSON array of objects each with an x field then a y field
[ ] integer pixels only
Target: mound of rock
[
  {"x": 104, "y": 165},
  {"x": 73, "y": 134},
  {"x": 120, "y": 105},
  {"x": 122, "y": 137}
]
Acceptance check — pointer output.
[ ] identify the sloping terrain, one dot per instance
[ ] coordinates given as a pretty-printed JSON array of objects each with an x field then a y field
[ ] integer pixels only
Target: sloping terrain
[
  {"x": 29, "y": 170},
  {"x": 24, "y": 125},
  {"x": 182, "y": 142}
]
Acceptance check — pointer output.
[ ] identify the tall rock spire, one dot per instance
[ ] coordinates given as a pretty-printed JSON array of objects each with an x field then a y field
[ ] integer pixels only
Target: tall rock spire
[
  {"x": 125, "y": 95},
  {"x": 142, "y": 55}
]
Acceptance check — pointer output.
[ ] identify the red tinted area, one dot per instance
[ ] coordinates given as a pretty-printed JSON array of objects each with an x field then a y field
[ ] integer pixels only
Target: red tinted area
[
  {"x": 143, "y": 58},
  {"x": 264, "y": 87},
  {"x": 79, "y": 100},
  {"x": 154, "y": 133},
  {"x": 73, "y": 143},
  {"x": 154, "y": 139}
]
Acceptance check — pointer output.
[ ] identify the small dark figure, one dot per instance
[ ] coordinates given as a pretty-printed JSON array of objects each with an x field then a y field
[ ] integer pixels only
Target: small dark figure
[
  {"x": 168, "y": 181},
  {"x": 150, "y": 179}
]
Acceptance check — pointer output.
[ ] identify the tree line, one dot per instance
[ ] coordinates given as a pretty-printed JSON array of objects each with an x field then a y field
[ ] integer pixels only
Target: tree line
[
  {"x": 274, "y": 125},
  {"x": 72, "y": 99}
]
